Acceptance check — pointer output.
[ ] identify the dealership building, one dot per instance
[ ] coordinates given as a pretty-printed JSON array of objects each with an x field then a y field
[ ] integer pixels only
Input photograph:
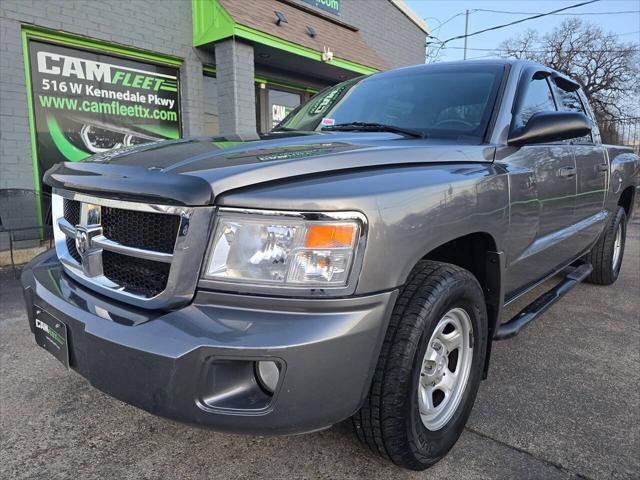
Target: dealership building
[{"x": 82, "y": 77}]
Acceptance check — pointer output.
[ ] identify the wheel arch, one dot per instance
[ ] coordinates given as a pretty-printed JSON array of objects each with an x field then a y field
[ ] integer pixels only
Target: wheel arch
[
  {"x": 626, "y": 200},
  {"x": 478, "y": 252}
]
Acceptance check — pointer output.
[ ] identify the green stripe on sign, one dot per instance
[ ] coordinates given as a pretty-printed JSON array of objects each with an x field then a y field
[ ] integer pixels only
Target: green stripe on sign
[
  {"x": 168, "y": 132},
  {"x": 69, "y": 150}
]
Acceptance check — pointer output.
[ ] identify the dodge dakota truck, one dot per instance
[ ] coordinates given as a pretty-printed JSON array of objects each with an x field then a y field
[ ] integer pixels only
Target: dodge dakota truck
[{"x": 354, "y": 262}]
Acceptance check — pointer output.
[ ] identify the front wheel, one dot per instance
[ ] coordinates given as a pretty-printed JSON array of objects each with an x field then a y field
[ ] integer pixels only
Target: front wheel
[{"x": 429, "y": 369}]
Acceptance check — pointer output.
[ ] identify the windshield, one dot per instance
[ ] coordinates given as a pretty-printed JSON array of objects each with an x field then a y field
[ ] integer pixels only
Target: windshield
[{"x": 439, "y": 101}]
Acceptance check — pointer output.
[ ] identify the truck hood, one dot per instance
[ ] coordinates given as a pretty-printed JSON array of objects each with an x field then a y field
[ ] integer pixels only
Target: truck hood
[{"x": 194, "y": 171}]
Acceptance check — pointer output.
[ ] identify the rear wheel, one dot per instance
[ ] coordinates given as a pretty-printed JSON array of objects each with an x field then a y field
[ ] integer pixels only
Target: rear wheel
[
  {"x": 429, "y": 369},
  {"x": 606, "y": 255}
]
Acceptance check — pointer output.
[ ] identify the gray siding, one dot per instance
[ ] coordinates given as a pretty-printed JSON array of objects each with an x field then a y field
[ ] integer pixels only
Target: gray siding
[{"x": 387, "y": 30}]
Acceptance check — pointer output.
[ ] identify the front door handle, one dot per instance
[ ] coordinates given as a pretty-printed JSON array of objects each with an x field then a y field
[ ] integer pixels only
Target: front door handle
[
  {"x": 603, "y": 167},
  {"x": 567, "y": 171}
]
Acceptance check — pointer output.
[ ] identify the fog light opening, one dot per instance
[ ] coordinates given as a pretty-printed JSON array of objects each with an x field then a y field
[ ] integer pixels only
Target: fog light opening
[{"x": 268, "y": 374}]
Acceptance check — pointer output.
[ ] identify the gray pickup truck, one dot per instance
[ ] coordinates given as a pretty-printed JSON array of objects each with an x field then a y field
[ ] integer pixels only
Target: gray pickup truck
[{"x": 353, "y": 262}]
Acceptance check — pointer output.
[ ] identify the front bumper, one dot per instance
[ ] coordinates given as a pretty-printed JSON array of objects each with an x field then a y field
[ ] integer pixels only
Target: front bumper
[{"x": 195, "y": 364}]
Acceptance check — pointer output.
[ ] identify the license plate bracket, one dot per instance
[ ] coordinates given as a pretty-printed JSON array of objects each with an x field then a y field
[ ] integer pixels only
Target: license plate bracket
[{"x": 51, "y": 334}]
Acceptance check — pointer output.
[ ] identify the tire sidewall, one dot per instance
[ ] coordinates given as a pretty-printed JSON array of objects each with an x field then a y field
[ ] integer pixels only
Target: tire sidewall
[
  {"x": 620, "y": 221},
  {"x": 429, "y": 446}
]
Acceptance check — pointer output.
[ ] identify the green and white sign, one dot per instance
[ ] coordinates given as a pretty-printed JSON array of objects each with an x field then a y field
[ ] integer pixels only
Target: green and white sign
[
  {"x": 86, "y": 102},
  {"x": 331, "y": 6}
]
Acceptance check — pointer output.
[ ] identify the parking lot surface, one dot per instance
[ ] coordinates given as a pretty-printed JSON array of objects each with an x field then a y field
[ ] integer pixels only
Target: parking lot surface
[{"x": 562, "y": 402}]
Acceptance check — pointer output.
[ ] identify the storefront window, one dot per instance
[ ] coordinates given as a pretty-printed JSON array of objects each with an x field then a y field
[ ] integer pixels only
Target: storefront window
[
  {"x": 280, "y": 103},
  {"x": 274, "y": 104}
]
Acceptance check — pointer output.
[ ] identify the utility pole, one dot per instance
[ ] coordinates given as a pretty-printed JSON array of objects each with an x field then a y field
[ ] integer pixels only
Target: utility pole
[{"x": 466, "y": 31}]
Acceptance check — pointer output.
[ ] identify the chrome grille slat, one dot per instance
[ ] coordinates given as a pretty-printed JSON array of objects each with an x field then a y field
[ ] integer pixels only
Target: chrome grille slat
[
  {"x": 108, "y": 244},
  {"x": 145, "y": 254},
  {"x": 116, "y": 247},
  {"x": 67, "y": 228}
]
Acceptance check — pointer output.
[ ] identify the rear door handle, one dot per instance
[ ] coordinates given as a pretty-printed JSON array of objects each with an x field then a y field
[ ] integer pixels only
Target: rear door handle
[
  {"x": 567, "y": 171},
  {"x": 603, "y": 167}
]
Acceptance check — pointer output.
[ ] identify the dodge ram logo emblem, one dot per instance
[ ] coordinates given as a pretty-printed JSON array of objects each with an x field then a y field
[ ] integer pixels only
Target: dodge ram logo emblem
[
  {"x": 82, "y": 240},
  {"x": 85, "y": 237}
]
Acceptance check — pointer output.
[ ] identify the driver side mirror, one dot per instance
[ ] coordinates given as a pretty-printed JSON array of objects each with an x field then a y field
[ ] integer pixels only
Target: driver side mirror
[{"x": 544, "y": 127}]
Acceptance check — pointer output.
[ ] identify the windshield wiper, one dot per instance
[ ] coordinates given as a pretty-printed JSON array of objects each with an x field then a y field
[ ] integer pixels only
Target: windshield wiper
[{"x": 373, "y": 127}]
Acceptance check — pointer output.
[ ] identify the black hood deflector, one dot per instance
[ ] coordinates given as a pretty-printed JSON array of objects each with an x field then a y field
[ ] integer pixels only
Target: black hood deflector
[{"x": 194, "y": 171}]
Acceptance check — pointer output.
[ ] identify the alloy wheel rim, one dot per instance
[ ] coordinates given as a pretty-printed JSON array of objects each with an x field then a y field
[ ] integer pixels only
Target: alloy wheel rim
[
  {"x": 445, "y": 369},
  {"x": 617, "y": 248}
]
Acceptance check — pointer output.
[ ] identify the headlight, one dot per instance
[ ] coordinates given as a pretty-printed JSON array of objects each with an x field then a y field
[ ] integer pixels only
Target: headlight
[{"x": 284, "y": 249}]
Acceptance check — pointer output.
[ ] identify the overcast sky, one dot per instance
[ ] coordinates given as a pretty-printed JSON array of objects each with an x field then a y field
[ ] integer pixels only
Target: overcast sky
[{"x": 436, "y": 12}]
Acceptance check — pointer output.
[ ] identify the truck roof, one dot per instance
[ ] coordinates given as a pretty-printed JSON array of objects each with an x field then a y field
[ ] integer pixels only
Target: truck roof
[
  {"x": 512, "y": 62},
  {"x": 486, "y": 61}
]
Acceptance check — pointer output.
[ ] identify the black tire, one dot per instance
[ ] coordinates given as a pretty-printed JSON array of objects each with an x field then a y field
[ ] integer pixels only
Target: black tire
[
  {"x": 601, "y": 255},
  {"x": 389, "y": 422}
]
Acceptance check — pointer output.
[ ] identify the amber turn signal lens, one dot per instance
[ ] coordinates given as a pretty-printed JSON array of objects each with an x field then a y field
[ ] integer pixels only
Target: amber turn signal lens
[{"x": 330, "y": 236}]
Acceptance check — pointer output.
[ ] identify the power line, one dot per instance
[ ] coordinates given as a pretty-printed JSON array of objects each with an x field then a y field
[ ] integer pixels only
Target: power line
[
  {"x": 474, "y": 10},
  {"x": 518, "y": 21},
  {"x": 559, "y": 14},
  {"x": 628, "y": 33},
  {"x": 446, "y": 21},
  {"x": 542, "y": 51},
  {"x": 515, "y": 50}
]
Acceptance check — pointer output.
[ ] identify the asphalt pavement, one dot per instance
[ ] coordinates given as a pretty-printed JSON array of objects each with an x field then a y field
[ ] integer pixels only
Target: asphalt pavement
[{"x": 562, "y": 402}]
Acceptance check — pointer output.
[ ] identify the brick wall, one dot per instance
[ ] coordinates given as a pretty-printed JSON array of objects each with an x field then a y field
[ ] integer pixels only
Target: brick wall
[
  {"x": 159, "y": 26},
  {"x": 235, "y": 82}
]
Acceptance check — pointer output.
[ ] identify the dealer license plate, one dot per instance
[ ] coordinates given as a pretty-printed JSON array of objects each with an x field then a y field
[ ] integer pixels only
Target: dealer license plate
[{"x": 51, "y": 334}]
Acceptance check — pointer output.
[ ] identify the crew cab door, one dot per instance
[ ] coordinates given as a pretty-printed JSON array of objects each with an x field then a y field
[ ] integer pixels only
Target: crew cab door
[
  {"x": 542, "y": 183},
  {"x": 592, "y": 169}
]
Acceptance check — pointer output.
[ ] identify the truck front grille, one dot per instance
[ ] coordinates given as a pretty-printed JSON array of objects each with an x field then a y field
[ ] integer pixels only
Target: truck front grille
[
  {"x": 142, "y": 253},
  {"x": 72, "y": 211},
  {"x": 137, "y": 275},
  {"x": 151, "y": 231},
  {"x": 148, "y": 231},
  {"x": 71, "y": 246}
]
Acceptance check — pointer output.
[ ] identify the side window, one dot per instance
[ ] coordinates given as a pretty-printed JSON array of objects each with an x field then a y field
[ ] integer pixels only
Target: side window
[
  {"x": 538, "y": 98},
  {"x": 571, "y": 102},
  {"x": 595, "y": 131}
]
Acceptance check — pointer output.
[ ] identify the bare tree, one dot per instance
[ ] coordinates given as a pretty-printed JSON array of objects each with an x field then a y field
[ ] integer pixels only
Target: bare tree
[{"x": 607, "y": 68}]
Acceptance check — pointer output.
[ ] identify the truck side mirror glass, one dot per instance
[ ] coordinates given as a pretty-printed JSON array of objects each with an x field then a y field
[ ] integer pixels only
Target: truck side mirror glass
[{"x": 545, "y": 127}]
